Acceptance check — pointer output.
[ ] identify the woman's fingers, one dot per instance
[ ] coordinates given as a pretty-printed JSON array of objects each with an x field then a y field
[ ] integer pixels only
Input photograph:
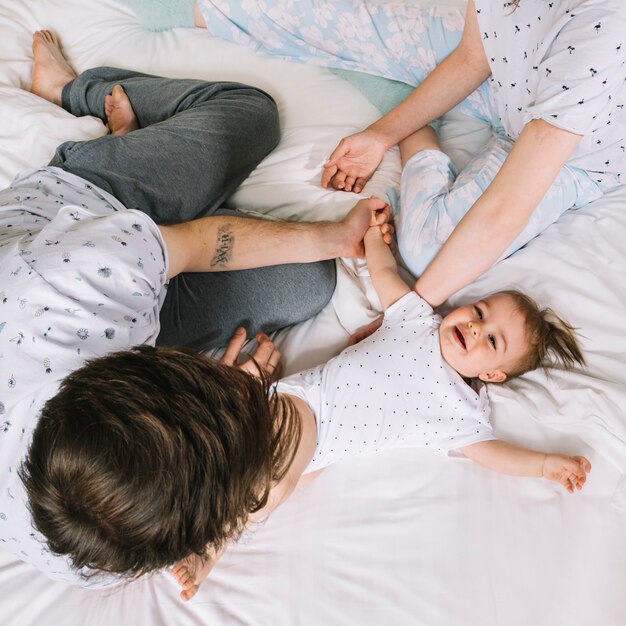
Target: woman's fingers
[
  {"x": 359, "y": 184},
  {"x": 330, "y": 169},
  {"x": 349, "y": 183},
  {"x": 339, "y": 180}
]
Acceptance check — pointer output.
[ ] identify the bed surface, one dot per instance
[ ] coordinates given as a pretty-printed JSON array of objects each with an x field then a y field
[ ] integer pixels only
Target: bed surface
[{"x": 403, "y": 537}]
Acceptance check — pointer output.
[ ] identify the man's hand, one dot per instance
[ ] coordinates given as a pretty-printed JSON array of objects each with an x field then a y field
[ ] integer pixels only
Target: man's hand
[
  {"x": 366, "y": 213},
  {"x": 353, "y": 161},
  {"x": 265, "y": 360},
  {"x": 570, "y": 471}
]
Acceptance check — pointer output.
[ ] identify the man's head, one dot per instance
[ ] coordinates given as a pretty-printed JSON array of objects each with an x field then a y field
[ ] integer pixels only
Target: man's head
[
  {"x": 505, "y": 335},
  {"x": 149, "y": 455}
]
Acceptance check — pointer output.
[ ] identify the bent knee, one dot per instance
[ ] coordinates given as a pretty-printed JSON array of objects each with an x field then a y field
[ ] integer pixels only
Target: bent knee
[
  {"x": 415, "y": 254},
  {"x": 300, "y": 291},
  {"x": 316, "y": 285},
  {"x": 264, "y": 118}
]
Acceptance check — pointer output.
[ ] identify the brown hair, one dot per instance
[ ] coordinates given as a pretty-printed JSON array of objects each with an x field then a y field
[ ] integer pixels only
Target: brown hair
[
  {"x": 149, "y": 455},
  {"x": 551, "y": 340}
]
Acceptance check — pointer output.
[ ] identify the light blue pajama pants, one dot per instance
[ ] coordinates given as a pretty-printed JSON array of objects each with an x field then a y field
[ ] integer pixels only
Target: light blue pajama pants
[{"x": 401, "y": 41}]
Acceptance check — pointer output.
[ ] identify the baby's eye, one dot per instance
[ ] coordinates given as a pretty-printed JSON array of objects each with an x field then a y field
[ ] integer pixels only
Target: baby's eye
[
  {"x": 492, "y": 341},
  {"x": 479, "y": 312}
]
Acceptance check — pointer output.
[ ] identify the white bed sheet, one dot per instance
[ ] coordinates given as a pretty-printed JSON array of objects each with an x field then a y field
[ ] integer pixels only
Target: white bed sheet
[{"x": 405, "y": 537}]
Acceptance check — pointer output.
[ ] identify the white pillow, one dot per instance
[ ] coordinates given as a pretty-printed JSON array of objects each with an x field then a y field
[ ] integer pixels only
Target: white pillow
[{"x": 31, "y": 128}]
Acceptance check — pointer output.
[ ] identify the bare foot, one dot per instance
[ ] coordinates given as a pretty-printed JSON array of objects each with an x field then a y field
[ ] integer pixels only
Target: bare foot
[
  {"x": 119, "y": 112},
  {"x": 52, "y": 71},
  {"x": 190, "y": 572}
]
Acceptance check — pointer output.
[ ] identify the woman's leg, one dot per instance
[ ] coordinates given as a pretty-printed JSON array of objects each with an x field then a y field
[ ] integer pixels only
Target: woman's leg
[
  {"x": 398, "y": 40},
  {"x": 401, "y": 41},
  {"x": 196, "y": 142},
  {"x": 433, "y": 200}
]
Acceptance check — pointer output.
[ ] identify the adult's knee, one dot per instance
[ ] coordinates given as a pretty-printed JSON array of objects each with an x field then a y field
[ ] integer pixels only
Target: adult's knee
[
  {"x": 263, "y": 119},
  {"x": 202, "y": 310},
  {"x": 415, "y": 254},
  {"x": 311, "y": 290}
]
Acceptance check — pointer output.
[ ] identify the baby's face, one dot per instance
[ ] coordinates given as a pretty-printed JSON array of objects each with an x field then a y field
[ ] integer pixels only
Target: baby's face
[{"x": 484, "y": 340}]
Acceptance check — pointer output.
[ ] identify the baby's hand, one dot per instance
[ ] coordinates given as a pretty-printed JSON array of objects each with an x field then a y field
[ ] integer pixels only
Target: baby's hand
[
  {"x": 570, "y": 471},
  {"x": 380, "y": 225}
]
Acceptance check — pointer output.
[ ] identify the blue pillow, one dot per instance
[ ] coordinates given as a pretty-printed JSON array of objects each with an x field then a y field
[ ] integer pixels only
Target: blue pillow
[
  {"x": 163, "y": 14},
  {"x": 383, "y": 93}
]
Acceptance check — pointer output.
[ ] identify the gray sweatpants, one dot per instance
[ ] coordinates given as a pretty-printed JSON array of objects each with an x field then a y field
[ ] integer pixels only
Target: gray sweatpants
[{"x": 197, "y": 141}]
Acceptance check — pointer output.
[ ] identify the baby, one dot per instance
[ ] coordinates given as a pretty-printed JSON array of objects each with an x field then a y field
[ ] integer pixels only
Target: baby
[{"x": 417, "y": 381}]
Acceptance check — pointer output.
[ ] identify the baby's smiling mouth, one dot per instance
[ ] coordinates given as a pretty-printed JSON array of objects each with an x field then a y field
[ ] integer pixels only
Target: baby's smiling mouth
[{"x": 459, "y": 336}]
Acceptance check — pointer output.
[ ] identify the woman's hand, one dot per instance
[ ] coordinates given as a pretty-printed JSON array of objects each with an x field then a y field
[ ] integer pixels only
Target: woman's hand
[
  {"x": 264, "y": 361},
  {"x": 353, "y": 161}
]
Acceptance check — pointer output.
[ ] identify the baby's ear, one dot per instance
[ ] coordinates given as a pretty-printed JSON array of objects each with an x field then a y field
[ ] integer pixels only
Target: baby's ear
[{"x": 497, "y": 376}]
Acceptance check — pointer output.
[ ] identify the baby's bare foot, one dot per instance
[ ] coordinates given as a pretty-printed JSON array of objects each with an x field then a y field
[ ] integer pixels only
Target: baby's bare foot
[
  {"x": 190, "y": 572},
  {"x": 52, "y": 71},
  {"x": 119, "y": 112}
]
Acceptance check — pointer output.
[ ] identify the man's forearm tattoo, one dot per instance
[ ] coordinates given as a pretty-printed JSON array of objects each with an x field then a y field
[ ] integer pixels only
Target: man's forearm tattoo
[{"x": 224, "y": 246}]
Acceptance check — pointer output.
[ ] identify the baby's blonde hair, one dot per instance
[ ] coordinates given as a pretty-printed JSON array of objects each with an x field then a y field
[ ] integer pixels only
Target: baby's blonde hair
[{"x": 551, "y": 340}]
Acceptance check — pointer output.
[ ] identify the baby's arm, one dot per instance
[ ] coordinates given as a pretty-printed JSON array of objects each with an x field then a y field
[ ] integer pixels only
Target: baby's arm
[
  {"x": 383, "y": 268},
  {"x": 507, "y": 458}
]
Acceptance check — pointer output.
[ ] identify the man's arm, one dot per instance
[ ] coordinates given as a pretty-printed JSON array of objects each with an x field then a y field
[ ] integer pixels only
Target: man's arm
[
  {"x": 223, "y": 242},
  {"x": 506, "y": 458}
]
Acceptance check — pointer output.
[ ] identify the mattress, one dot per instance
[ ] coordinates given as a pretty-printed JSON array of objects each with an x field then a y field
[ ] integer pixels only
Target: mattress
[{"x": 403, "y": 537}]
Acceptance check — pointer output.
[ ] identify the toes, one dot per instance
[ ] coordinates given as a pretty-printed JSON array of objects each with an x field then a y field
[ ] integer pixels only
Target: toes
[
  {"x": 45, "y": 35},
  {"x": 118, "y": 94},
  {"x": 183, "y": 576},
  {"x": 187, "y": 594}
]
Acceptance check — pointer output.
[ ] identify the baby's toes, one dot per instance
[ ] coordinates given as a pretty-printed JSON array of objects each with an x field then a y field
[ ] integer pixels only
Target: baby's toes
[
  {"x": 187, "y": 594},
  {"x": 179, "y": 572}
]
